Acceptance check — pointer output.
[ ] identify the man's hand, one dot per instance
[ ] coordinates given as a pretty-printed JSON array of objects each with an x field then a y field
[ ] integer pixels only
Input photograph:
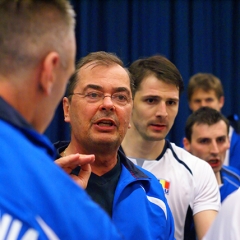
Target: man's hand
[{"x": 70, "y": 162}]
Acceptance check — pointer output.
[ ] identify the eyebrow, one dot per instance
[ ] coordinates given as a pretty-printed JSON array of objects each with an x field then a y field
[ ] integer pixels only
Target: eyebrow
[
  {"x": 99, "y": 88},
  {"x": 223, "y": 136},
  {"x": 93, "y": 86},
  {"x": 156, "y": 96}
]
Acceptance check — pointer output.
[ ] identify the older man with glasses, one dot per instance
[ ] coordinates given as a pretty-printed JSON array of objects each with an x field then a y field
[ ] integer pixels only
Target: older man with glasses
[{"x": 98, "y": 107}]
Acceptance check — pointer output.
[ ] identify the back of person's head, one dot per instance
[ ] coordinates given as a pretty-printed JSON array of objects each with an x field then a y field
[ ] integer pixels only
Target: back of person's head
[
  {"x": 160, "y": 67},
  {"x": 30, "y": 29},
  {"x": 204, "y": 115},
  {"x": 96, "y": 58},
  {"x": 205, "y": 82}
]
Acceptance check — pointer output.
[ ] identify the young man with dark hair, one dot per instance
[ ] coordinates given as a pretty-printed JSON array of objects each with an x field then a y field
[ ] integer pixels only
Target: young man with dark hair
[
  {"x": 158, "y": 85},
  {"x": 206, "y": 134}
]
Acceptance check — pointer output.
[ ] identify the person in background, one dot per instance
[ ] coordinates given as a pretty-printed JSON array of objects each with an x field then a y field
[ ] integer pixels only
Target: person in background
[
  {"x": 158, "y": 85},
  {"x": 205, "y": 89},
  {"x": 98, "y": 107},
  {"x": 206, "y": 137},
  {"x": 226, "y": 224},
  {"x": 37, "y": 52}
]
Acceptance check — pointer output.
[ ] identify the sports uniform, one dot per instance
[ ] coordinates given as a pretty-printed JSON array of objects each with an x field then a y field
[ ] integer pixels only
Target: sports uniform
[
  {"x": 230, "y": 181},
  {"x": 139, "y": 210},
  {"x": 38, "y": 200},
  {"x": 226, "y": 224},
  {"x": 232, "y": 156},
  {"x": 189, "y": 183}
]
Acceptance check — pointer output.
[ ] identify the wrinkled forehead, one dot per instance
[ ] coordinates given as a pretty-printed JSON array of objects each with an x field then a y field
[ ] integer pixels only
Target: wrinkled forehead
[{"x": 104, "y": 75}]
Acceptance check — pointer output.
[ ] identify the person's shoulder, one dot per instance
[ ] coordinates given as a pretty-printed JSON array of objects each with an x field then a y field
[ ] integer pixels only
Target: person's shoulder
[
  {"x": 226, "y": 224},
  {"x": 146, "y": 172},
  {"x": 235, "y": 137},
  {"x": 232, "y": 172},
  {"x": 187, "y": 157},
  {"x": 234, "y": 199},
  {"x": 231, "y": 169},
  {"x": 181, "y": 152}
]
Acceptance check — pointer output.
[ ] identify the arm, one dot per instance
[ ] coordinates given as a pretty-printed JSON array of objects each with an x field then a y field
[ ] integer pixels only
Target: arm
[
  {"x": 203, "y": 221},
  {"x": 70, "y": 162},
  {"x": 206, "y": 200}
]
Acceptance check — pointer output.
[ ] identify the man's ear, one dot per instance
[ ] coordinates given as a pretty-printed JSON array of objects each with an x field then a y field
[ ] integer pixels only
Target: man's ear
[
  {"x": 129, "y": 125},
  {"x": 186, "y": 144},
  {"x": 66, "y": 109},
  {"x": 221, "y": 102},
  {"x": 48, "y": 72}
]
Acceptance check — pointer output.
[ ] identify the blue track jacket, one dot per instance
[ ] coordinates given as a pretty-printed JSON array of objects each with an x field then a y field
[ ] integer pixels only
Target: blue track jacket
[
  {"x": 140, "y": 209},
  {"x": 230, "y": 181},
  {"x": 234, "y": 158},
  {"x": 37, "y": 199}
]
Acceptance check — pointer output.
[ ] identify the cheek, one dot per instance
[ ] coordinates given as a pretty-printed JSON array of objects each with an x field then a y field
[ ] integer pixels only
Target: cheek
[
  {"x": 194, "y": 106},
  {"x": 78, "y": 113},
  {"x": 125, "y": 116},
  {"x": 224, "y": 148},
  {"x": 172, "y": 113}
]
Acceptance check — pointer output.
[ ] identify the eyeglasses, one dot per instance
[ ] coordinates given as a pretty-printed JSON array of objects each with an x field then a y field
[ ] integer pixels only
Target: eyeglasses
[{"x": 94, "y": 97}]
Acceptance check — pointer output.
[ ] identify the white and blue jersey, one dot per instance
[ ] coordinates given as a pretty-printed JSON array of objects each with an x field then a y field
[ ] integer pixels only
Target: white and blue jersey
[{"x": 187, "y": 190}]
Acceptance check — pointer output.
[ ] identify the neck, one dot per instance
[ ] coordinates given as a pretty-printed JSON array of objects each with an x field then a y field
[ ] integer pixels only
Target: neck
[
  {"x": 135, "y": 146},
  {"x": 103, "y": 164},
  {"x": 218, "y": 177},
  {"x": 104, "y": 161}
]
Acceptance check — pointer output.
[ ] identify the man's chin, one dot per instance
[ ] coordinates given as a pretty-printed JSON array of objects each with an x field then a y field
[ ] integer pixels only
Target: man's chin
[{"x": 106, "y": 142}]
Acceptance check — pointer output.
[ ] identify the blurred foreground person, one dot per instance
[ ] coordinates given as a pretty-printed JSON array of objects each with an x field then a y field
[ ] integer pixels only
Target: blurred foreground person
[
  {"x": 38, "y": 200},
  {"x": 226, "y": 224}
]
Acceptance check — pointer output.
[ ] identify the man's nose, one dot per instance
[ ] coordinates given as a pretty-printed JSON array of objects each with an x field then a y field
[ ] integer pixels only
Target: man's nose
[
  {"x": 107, "y": 103},
  {"x": 162, "y": 109},
  {"x": 214, "y": 147}
]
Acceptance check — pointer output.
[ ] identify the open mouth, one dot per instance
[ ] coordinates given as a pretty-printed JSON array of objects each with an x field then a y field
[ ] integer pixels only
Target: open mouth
[
  {"x": 105, "y": 123},
  {"x": 214, "y": 163}
]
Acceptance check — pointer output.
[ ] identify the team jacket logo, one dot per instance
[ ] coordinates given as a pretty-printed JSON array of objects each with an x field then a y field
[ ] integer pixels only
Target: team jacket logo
[
  {"x": 165, "y": 185},
  {"x": 11, "y": 228}
]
